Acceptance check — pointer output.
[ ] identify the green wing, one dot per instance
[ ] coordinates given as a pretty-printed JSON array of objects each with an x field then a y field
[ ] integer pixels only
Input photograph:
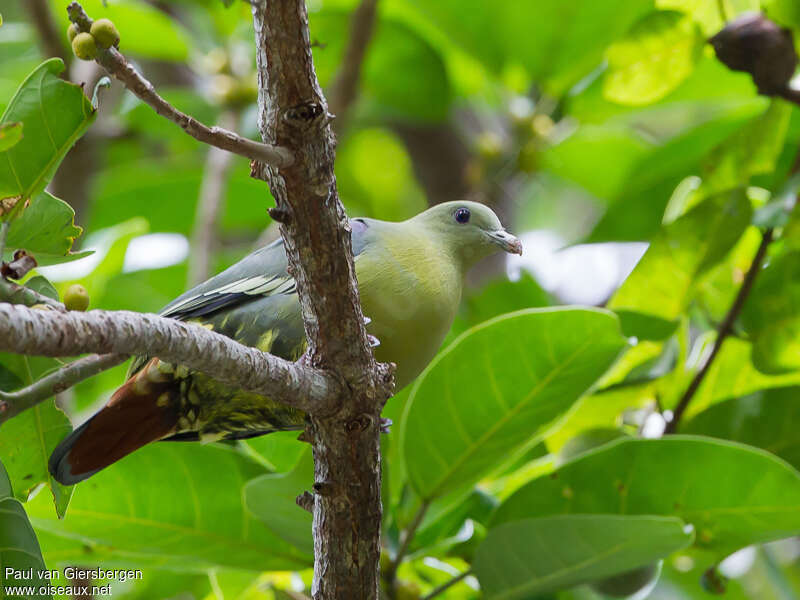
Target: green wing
[{"x": 254, "y": 301}]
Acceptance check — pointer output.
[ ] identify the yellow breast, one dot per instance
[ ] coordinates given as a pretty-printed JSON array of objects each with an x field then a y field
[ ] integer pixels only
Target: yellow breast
[{"x": 410, "y": 289}]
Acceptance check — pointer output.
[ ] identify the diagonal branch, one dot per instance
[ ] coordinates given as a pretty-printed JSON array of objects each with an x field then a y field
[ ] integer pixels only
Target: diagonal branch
[
  {"x": 19, "y": 294},
  {"x": 723, "y": 331},
  {"x": 116, "y": 64},
  {"x": 212, "y": 197},
  {"x": 13, "y": 403},
  {"x": 49, "y": 333}
]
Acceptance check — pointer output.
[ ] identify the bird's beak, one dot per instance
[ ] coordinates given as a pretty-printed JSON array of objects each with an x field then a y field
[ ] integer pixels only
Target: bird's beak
[{"x": 506, "y": 241}]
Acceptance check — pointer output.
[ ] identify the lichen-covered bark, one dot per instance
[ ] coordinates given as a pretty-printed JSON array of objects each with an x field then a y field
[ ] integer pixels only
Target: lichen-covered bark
[
  {"x": 293, "y": 114},
  {"x": 50, "y": 333}
]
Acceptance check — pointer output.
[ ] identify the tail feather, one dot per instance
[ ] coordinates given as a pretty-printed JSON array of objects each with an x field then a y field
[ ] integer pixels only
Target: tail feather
[{"x": 143, "y": 410}]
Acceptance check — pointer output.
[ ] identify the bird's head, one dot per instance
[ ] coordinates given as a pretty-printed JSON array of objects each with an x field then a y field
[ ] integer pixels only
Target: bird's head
[{"x": 470, "y": 230}]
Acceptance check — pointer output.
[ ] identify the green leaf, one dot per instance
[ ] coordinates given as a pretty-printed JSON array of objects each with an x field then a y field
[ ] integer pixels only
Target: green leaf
[
  {"x": 661, "y": 283},
  {"x": 41, "y": 285},
  {"x": 557, "y": 43},
  {"x": 498, "y": 387},
  {"x": 499, "y": 297},
  {"x": 771, "y": 315},
  {"x": 28, "y": 439},
  {"x": 144, "y": 30},
  {"x": 10, "y": 134},
  {"x": 655, "y": 56},
  {"x": 174, "y": 506},
  {"x": 271, "y": 498},
  {"x": 19, "y": 549},
  {"x": 46, "y": 229},
  {"x": 55, "y": 113},
  {"x": 753, "y": 150},
  {"x": 711, "y": 15},
  {"x": 419, "y": 87},
  {"x": 684, "y": 133},
  {"x": 733, "y": 375},
  {"x": 733, "y": 495},
  {"x": 535, "y": 556},
  {"x": 765, "y": 419}
]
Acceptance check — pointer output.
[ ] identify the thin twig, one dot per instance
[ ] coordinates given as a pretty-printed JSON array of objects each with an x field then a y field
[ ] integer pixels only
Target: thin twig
[
  {"x": 19, "y": 294},
  {"x": 50, "y": 333},
  {"x": 13, "y": 403},
  {"x": 116, "y": 64},
  {"x": 723, "y": 331},
  {"x": 344, "y": 88},
  {"x": 723, "y": 14},
  {"x": 405, "y": 541},
  {"x": 447, "y": 585},
  {"x": 212, "y": 196}
]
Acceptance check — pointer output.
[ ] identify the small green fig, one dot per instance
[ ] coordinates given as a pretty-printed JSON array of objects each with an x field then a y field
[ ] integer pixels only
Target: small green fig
[
  {"x": 76, "y": 298},
  {"x": 84, "y": 47},
  {"x": 72, "y": 31},
  {"x": 105, "y": 33}
]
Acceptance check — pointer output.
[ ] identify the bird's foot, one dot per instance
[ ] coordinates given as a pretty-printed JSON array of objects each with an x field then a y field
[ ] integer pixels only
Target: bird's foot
[{"x": 385, "y": 425}]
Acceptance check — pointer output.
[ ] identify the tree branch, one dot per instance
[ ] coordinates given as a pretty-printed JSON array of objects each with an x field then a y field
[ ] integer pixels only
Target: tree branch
[
  {"x": 405, "y": 541},
  {"x": 19, "y": 294},
  {"x": 49, "y": 333},
  {"x": 293, "y": 113},
  {"x": 116, "y": 64},
  {"x": 447, "y": 585},
  {"x": 723, "y": 331},
  {"x": 344, "y": 88},
  {"x": 212, "y": 195},
  {"x": 13, "y": 403}
]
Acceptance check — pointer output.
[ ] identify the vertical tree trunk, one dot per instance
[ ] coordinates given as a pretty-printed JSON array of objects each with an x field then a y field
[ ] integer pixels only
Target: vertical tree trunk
[{"x": 293, "y": 113}]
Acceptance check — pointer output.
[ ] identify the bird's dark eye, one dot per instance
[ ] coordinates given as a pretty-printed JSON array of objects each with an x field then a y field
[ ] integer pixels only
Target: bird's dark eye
[{"x": 462, "y": 215}]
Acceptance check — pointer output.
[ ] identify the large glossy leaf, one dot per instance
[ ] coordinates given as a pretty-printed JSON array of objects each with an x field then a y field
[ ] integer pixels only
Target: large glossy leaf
[
  {"x": 765, "y": 419},
  {"x": 772, "y": 315},
  {"x": 733, "y": 375},
  {"x": 145, "y": 30},
  {"x": 661, "y": 283},
  {"x": 524, "y": 558},
  {"x": 19, "y": 549},
  {"x": 753, "y": 150},
  {"x": 46, "y": 229},
  {"x": 558, "y": 43},
  {"x": 173, "y": 505},
  {"x": 27, "y": 440},
  {"x": 271, "y": 498},
  {"x": 54, "y": 114},
  {"x": 10, "y": 134},
  {"x": 652, "y": 59},
  {"x": 733, "y": 495},
  {"x": 498, "y": 387},
  {"x": 685, "y": 133}
]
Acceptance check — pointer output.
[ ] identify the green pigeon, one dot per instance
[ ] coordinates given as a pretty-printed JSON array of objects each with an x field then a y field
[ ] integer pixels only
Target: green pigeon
[{"x": 410, "y": 276}]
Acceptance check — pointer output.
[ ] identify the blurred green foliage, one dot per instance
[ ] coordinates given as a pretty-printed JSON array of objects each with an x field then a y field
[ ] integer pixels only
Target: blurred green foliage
[{"x": 581, "y": 121}]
